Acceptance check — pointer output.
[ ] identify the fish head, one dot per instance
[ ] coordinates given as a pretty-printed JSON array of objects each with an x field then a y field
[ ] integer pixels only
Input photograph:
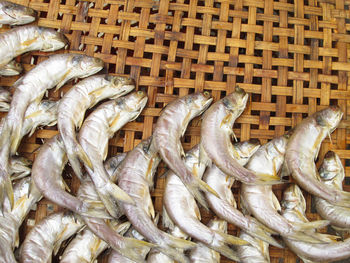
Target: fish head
[
  {"x": 134, "y": 103},
  {"x": 246, "y": 149},
  {"x": 293, "y": 198},
  {"x": 11, "y": 69},
  {"x": 5, "y": 95},
  {"x": 83, "y": 66},
  {"x": 17, "y": 14},
  {"x": 51, "y": 40},
  {"x": 122, "y": 85},
  {"x": 331, "y": 169},
  {"x": 20, "y": 161},
  {"x": 198, "y": 102},
  {"x": 329, "y": 117},
  {"x": 236, "y": 101}
]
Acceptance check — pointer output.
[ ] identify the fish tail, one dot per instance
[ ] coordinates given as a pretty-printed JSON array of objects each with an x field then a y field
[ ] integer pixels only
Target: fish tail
[
  {"x": 260, "y": 232},
  {"x": 311, "y": 225},
  {"x": 309, "y": 238},
  {"x": 179, "y": 243},
  {"x": 83, "y": 156},
  {"x": 175, "y": 254},
  {"x": 75, "y": 164},
  {"x": 134, "y": 249},
  {"x": 227, "y": 252},
  {"x": 266, "y": 179},
  {"x": 91, "y": 210},
  {"x": 6, "y": 187},
  {"x": 231, "y": 240},
  {"x": 110, "y": 194},
  {"x": 15, "y": 137}
]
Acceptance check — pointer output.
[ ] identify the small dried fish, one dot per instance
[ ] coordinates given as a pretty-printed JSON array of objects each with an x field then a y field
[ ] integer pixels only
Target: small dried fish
[
  {"x": 182, "y": 211},
  {"x": 84, "y": 95},
  {"x": 47, "y": 236},
  {"x": 303, "y": 148},
  {"x": 216, "y": 134},
  {"x": 294, "y": 207},
  {"x": 97, "y": 129},
  {"x": 136, "y": 178},
  {"x": 15, "y": 14},
  {"x": 171, "y": 126},
  {"x": 332, "y": 174}
]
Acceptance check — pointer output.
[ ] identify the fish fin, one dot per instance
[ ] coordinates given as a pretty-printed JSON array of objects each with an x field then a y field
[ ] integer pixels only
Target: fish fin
[
  {"x": 6, "y": 186},
  {"x": 231, "y": 240},
  {"x": 267, "y": 179},
  {"x": 74, "y": 161},
  {"x": 227, "y": 252},
  {"x": 179, "y": 243},
  {"x": 166, "y": 221},
  {"x": 307, "y": 260},
  {"x": 309, "y": 238},
  {"x": 175, "y": 254},
  {"x": 91, "y": 209},
  {"x": 260, "y": 232},
  {"x": 15, "y": 138},
  {"x": 195, "y": 186},
  {"x": 276, "y": 204},
  {"x": 110, "y": 194},
  {"x": 34, "y": 114},
  {"x": 134, "y": 249},
  {"x": 121, "y": 228},
  {"x": 311, "y": 225}
]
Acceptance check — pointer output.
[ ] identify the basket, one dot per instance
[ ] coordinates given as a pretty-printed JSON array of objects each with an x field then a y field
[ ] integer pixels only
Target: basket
[{"x": 291, "y": 56}]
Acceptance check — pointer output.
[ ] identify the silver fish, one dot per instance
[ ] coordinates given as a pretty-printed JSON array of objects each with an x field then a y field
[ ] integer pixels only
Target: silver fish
[
  {"x": 127, "y": 247},
  {"x": 256, "y": 252},
  {"x": 171, "y": 126},
  {"x": 260, "y": 201},
  {"x": 5, "y": 99},
  {"x": 294, "y": 207},
  {"x": 54, "y": 71},
  {"x": 47, "y": 236},
  {"x": 24, "y": 39},
  {"x": 19, "y": 167},
  {"x": 332, "y": 174},
  {"x": 97, "y": 129},
  {"x": 86, "y": 246},
  {"x": 303, "y": 148},
  {"x": 12, "y": 68},
  {"x": 182, "y": 210},
  {"x": 50, "y": 183},
  {"x": 84, "y": 95},
  {"x": 135, "y": 177},
  {"x": 203, "y": 254},
  {"x": 15, "y": 14},
  {"x": 13, "y": 219},
  {"x": 225, "y": 207}
]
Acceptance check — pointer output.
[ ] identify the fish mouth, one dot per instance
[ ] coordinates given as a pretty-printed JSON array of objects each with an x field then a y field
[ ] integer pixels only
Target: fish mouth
[{"x": 125, "y": 90}]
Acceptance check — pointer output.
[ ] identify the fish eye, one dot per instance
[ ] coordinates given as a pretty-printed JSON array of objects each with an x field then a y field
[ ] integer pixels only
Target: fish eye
[
  {"x": 206, "y": 94},
  {"x": 140, "y": 92}
]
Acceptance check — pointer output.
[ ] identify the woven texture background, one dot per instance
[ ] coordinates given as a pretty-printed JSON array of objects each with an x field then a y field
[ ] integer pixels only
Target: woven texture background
[{"x": 291, "y": 56}]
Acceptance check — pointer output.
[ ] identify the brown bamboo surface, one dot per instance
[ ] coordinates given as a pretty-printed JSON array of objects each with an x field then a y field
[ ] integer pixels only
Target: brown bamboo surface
[{"x": 291, "y": 56}]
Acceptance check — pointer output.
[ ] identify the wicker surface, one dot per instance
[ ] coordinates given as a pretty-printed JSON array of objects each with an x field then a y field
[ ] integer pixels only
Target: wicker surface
[{"x": 291, "y": 56}]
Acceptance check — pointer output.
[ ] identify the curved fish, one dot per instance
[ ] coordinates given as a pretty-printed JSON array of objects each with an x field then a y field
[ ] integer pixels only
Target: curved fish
[
  {"x": 332, "y": 174},
  {"x": 128, "y": 248},
  {"x": 257, "y": 251},
  {"x": 216, "y": 134},
  {"x": 261, "y": 202},
  {"x": 171, "y": 126},
  {"x": 24, "y": 39},
  {"x": 54, "y": 71},
  {"x": 303, "y": 148},
  {"x": 294, "y": 211},
  {"x": 97, "y": 129},
  {"x": 47, "y": 236},
  {"x": 15, "y": 14},
  {"x": 12, "y": 68},
  {"x": 225, "y": 207},
  {"x": 50, "y": 183},
  {"x": 5, "y": 99},
  {"x": 72, "y": 107},
  {"x": 86, "y": 246},
  {"x": 181, "y": 208},
  {"x": 203, "y": 254},
  {"x": 135, "y": 177}
]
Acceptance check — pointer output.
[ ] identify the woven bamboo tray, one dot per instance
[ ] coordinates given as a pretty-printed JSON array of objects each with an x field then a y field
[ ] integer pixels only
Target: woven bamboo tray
[{"x": 291, "y": 56}]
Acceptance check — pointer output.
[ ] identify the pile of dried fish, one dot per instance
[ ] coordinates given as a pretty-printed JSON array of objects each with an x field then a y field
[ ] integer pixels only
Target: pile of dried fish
[{"x": 113, "y": 207}]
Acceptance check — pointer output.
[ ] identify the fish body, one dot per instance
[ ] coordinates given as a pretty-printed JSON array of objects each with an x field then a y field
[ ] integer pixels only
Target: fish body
[
  {"x": 47, "y": 236},
  {"x": 136, "y": 178},
  {"x": 332, "y": 174},
  {"x": 302, "y": 151},
  {"x": 72, "y": 107},
  {"x": 15, "y": 14},
  {"x": 294, "y": 207},
  {"x": 171, "y": 126},
  {"x": 12, "y": 68},
  {"x": 24, "y": 39},
  {"x": 216, "y": 135},
  {"x": 225, "y": 207},
  {"x": 181, "y": 208},
  {"x": 97, "y": 129},
  {"x": 260, "y": 201},
  {"x": 86, "y": 246},
  {"x": 5, "y": 99},
  {"x": 257, "y": 251}
]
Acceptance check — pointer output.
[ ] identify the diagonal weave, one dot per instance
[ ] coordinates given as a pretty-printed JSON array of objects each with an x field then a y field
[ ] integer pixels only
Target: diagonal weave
[{"x": 291, "y": 56}]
